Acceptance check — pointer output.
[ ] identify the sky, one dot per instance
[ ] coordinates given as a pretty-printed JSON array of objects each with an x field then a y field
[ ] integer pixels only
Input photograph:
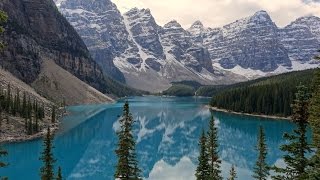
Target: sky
[{"x": 216, "y": 13}]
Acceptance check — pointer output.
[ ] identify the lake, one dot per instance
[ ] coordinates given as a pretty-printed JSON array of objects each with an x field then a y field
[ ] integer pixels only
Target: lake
[{"x": 167, "y": 130}]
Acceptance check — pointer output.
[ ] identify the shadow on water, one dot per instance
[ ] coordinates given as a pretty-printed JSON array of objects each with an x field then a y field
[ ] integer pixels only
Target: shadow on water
[{"x": 167, "y": 132}]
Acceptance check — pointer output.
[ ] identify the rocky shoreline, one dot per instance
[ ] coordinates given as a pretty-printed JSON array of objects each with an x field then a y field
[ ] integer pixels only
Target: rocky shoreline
[
  {"x": 248, "y": 114},
  {"x": 19, "y": 134}
]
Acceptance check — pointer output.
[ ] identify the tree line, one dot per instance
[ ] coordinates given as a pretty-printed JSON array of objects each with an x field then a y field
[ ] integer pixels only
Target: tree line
[
  {"x": 31, "y": 111},
  {"x": 305, "y": 110},
  {"x": 299, "y": 164},
  {"x": 271, "y": 96}
]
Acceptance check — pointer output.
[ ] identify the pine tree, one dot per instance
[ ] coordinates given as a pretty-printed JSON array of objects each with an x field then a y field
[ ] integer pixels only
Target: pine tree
[
  {"x": 296, "y": 160},
  {"x": 203, "y": 169},
  {"x": 127, "y": 166},
  {"x": 53, "y": 114},
  {"x": 233, "y": 173},
  {"x": 261, "y": 170},
  {"x": 314, "y": 120},
  {"x": 47, "y": 158},
  {"x": 59, "y": 176},
  {"x": 3, "y": 19},
  {"x": 212, "y": 147}
]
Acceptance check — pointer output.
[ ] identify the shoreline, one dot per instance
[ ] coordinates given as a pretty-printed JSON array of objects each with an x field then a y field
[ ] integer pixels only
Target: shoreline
[
  {"x": 25, "y": 138},
  {"x": 248, "y": 114}
]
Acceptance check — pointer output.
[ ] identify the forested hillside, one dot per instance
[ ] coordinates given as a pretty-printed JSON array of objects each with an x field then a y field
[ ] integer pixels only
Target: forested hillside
[{"x": 269, "y": 96}]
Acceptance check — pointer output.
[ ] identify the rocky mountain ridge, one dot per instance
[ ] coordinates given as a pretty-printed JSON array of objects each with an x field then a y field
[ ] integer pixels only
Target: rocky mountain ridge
[
  {"x": 37, "y": 34},
  {"x": 150, "y": 57}
]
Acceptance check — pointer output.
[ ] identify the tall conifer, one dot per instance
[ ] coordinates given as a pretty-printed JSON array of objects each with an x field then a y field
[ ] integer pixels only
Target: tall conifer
[
  {"x": 127, "y": 166},
  {"x": 46, "y": 171},
  {"x": 233, "y": 173},
  {"x": 261, "y": 169},
  {"x": 297, "y": 148},
  {"x": 212, "y": 147},
  {"x": 203, "y": 169},
  {"x": 314, "y": 120}
]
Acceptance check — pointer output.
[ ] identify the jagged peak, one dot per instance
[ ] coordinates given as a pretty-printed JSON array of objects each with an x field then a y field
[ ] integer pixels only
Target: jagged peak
[
  {"x": 197, "y": 24},
  {"x": 137, "y": 11},
  {"x": 308, "y": 18},
  {"x": 261, "y": 15},
  {"x": 173, "y": 24}
]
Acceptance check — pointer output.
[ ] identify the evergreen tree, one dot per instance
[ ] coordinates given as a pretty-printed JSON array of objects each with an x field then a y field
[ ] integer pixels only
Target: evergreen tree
[
  {"x": 295, "y": 158},
  {"x": 47, "y": 158},
  {"x": 59, "y": 176},
  {"x": 24, "y": 106},
  {"x": 203, "y": 169},
  {"x": 3, "y": 19},
  {"x": 261, "y": 170},
  {"x": 212, "y": 147},
  {"x": 314, "y": 120},
  {"x": 127, "y": 166},
  {"x": 233, "y": 173},
  {"x": 53, "y": 114}
]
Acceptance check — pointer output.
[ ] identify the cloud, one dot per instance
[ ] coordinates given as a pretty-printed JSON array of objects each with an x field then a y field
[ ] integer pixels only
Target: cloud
[{"x": 216, "y": 13}]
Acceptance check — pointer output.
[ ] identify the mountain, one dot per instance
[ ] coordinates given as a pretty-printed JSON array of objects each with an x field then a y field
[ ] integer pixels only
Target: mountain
[
  {"x": 301, "y": 38},
  {"x": 36, "y": 35},
  {"x": 136, "y": 45},
  {"x": 249, "y": 43},
  {"x": 101, "y": 27},
  {"x": 152, "y": 57}
]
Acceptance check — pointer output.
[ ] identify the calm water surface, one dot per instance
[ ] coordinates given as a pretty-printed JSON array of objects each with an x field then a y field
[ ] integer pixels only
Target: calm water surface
[{"x": 167, "y": 132}]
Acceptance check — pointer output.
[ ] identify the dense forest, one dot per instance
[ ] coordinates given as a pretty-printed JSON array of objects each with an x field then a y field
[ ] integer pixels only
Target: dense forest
[{"x": 269, "y": 96}]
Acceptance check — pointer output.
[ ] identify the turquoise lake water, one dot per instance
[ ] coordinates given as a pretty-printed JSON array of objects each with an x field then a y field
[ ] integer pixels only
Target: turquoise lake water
[{"x": 167, "y": 132}]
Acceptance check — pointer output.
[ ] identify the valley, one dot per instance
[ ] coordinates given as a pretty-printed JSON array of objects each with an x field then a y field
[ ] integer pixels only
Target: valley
[{"x": 88, "y": 92}]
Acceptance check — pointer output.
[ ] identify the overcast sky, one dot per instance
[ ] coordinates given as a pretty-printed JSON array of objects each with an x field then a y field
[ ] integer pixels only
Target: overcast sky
[{"x": 216, "y": 13}]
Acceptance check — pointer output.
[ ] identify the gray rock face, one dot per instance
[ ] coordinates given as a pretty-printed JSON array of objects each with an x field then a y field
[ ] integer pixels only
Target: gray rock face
[
  {"x": 312, "y": 22},
  {"x": 136, "y": 45},
  {"x": 144, "y": 30},
  {"x": 301, "y": 44},
  {"x": 101, "y": 26},
  {"x": 250, "y": 43},
  {"x": 37, "y": 32},
  {"x": 179, "y": 43}
]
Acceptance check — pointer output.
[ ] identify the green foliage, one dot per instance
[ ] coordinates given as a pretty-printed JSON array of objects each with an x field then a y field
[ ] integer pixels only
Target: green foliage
[
  {"x": 203, "y": 169},
  {"x": 314, "y": 120},
  {"x": 121, "y": 90},
  {"x": 209, "y": 91},
  {"x": 3, "y": 19},
  {"x": 261, "y": 169},
  {"x": 179, "y": 90},
  {"x": 233, "y": 173},
  {"x": 31, "y": 112},
  {"x": 212, "y": 148},
  {"x": 53, "y": 114},
  {"x": 297, "y": 147},
  {"x": 47, "y": 158},
  {"x": 269, "y": 96},
  {"x": 59, "y": 176},
  {"x": 127, "y": 166}
]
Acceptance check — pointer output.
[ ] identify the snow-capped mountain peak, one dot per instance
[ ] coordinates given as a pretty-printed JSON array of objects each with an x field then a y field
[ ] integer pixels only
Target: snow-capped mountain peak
[
  {"x": 172, "y": 24},
  {"x": 151, "y": 57}
]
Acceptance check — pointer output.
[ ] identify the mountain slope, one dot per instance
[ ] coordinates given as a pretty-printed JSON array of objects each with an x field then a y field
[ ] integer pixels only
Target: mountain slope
[
  {"x": 59, "y": 85},
  {"x": 36, "y": 32},
  {"x": 152, "y": 57},
  {"x": 136, "y": 43}
]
